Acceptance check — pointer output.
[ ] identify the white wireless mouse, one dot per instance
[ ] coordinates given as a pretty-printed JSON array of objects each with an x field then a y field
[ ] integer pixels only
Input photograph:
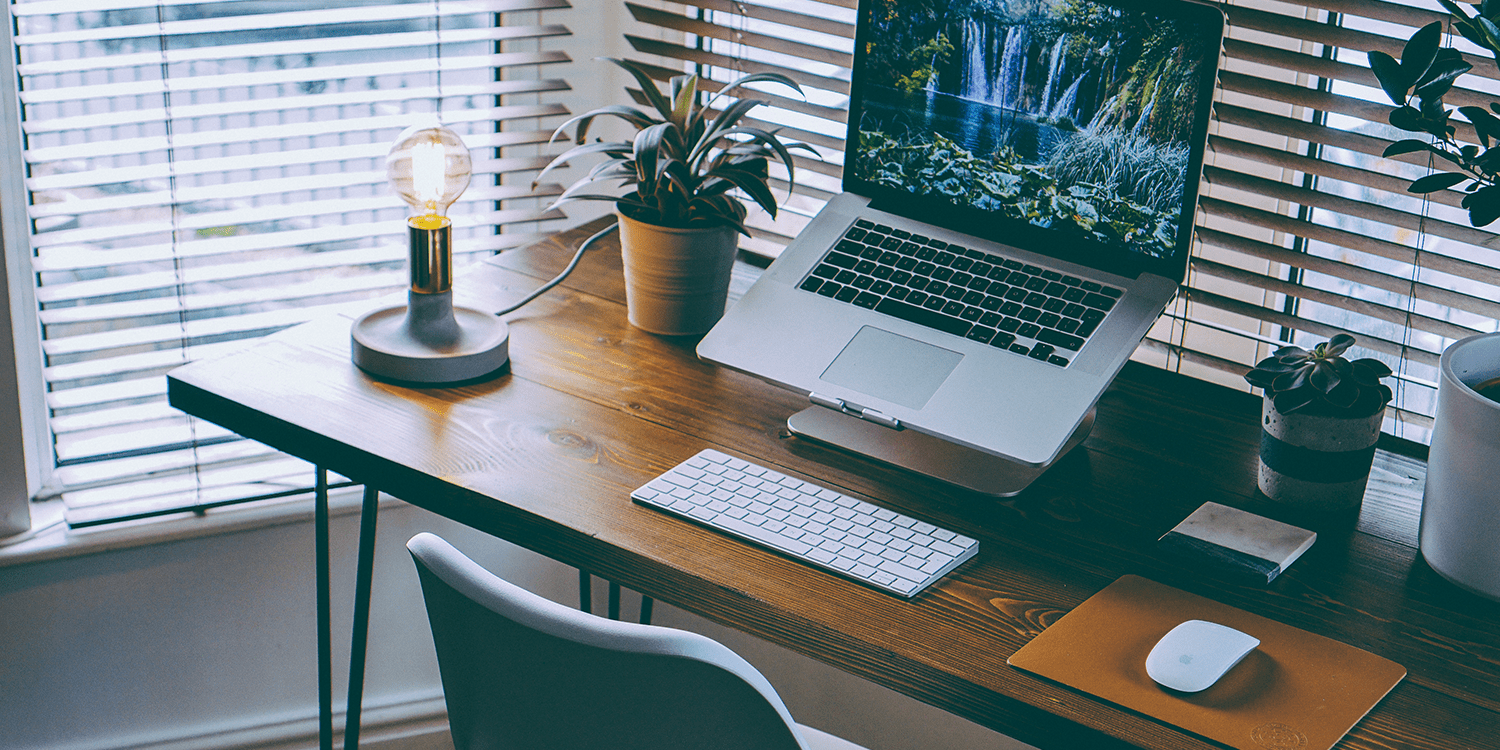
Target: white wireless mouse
[{"x": 1195, "y": 654}]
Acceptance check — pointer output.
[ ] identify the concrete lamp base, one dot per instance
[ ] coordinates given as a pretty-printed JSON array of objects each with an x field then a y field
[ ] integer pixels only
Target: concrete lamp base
[{"x": 430, "y": 342}]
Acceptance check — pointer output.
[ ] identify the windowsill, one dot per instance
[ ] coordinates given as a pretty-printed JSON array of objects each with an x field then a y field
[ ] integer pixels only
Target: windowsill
[{"x": 51, "y": 539}]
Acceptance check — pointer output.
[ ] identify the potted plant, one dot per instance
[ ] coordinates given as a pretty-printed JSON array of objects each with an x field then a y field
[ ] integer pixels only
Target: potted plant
[
  {"x": 1417, "y": 84},
  {"x": 1320, "y": 418},
  {"x": 1460, "y": 507},
  {"x": 679, "y": 220}
]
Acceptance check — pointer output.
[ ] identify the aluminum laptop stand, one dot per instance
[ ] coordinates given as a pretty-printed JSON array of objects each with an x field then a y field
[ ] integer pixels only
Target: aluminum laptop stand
[{"x": 924, "y": 454}]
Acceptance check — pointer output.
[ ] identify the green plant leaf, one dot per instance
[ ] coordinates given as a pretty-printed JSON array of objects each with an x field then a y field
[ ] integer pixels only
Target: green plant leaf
[
  {"x": 1483, "y": 205},
  {"x": 635, "y": 117},
  {"x": 647, "y": 84},
  {"x": 1339, "y": 344},
  {"x": 1388, "y": 71},
  {"x": 754, "y": 185},
  {"x": 1455, "y": 9},
  {"x": 1485, "y": 124},
  {"x": 1323, "y": 377},
  {"x": 1435, "y": 182},
  {"x": 1406, "y": 146},
  {"x": 1408, "y": 119},
  {"x": 1439, "y": 78},
  {"x": 1290, "y": 401},
  {"x": 1420, "y": 51},
  {"x": 1491, "y": 33},
  {"x": 684, "y": 97},
  {"x": 584, "y": 150}
]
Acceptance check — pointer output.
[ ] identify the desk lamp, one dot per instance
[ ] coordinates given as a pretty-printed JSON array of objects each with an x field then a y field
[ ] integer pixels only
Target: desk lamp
[{"x": 428, "y": 340}]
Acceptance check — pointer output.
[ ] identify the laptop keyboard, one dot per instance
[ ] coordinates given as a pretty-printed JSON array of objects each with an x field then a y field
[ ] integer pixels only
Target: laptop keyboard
[{"x": 1026, "y": 309}]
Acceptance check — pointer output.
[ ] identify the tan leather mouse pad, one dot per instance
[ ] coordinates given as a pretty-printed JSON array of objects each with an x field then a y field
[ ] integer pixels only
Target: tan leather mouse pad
[{"x": 1297, "y": 690}]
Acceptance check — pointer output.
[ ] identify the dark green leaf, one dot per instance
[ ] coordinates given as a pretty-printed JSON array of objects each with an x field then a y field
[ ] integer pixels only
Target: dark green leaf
[
  {"x": 1439, "y": 79},
  {"x": 1420, "y": 51},
  {"x": 1409, "y": 119},
  {"x": 647, "y": 84},
  {"x": 1406, "y": 146},
  {"x": 1491, "y": 33},
  {"x": 1435, "y": 182},
  {"x": 1485, "y": 124},
  {"x": 1455, "y": 9},
  {"x": 1339, "y": 344},
  {"x": 1483, "y": 205},
  {"x": 1391, "y": 77},
  {"x": 1290, "y": 401}
]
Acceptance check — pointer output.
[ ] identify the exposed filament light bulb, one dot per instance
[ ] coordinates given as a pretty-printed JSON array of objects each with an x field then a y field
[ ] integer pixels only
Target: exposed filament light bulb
[{"x": 429, "y": 167}]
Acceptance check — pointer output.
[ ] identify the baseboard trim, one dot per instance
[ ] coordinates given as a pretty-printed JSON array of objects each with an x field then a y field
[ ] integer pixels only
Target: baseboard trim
[{"x": 415, "y": 724}]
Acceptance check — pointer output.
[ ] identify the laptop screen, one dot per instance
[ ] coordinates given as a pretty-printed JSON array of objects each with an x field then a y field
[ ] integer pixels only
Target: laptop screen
[{"x": 1070, "y": 127}]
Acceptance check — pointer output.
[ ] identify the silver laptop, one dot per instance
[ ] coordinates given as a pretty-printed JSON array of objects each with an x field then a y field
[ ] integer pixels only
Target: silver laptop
[{"x": 1018, "y": 205}]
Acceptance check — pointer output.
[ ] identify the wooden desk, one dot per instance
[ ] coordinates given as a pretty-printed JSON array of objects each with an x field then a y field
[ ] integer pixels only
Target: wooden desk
[{"x": 547, "y": 454}]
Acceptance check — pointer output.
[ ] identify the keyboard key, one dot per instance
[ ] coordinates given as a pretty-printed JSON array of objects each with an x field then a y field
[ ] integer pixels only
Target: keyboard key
[
  {"x": 841, "y": 260},
  {"x": 847, "y": 294},
  {"x": 1041, "y": 351},
  {"x": 1099, "y": 302},
  {"x": 811, "y": 284},
  {"x": 1110, "y": 291},
  {"x": 867, "y": 300},
  {"x": 1029, "y": 330},
  {"x": 1056, "y": 360},
  {"x": 1060, "y": 339},
  {"x": 981, "y": 334},
  {"x": 922, "y": 316},
  {"x": 829, "y": 289}
]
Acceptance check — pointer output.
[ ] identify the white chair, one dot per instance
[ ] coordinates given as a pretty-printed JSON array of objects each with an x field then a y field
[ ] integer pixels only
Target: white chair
[{"x": 520, "y": 671}]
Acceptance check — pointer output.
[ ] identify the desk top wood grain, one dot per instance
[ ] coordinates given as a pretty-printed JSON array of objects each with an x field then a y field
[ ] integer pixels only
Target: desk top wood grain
[{"x": 546, "y": 454}]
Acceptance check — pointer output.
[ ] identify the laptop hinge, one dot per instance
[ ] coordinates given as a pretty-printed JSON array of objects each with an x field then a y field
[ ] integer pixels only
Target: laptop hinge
[{"x": 868, "y": 415}]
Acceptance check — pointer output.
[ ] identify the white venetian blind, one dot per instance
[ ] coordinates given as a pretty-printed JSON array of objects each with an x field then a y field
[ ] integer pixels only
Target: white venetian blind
[
  {"x": 202, "y": 173},
  {"x": 1304, "y": 230}
]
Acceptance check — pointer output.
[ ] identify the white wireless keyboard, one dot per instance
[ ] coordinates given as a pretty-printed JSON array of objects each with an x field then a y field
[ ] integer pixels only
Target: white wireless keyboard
[{"x": 850, "y": 537}]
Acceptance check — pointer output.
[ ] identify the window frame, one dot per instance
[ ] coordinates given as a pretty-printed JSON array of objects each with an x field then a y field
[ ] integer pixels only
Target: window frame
[{"x": 24, "y": 356}]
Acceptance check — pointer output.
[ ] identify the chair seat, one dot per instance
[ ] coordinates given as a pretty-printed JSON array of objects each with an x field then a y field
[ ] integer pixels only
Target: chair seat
[{"x": 520, "y": 671}]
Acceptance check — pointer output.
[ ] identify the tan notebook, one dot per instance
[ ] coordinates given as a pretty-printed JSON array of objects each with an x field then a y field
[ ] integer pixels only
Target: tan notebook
[{"x": 1297, "y": 690}]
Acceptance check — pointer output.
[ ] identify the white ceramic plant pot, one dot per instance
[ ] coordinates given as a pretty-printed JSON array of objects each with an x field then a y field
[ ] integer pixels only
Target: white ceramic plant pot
[
  {"x": 1316, "y": 463},
  {"x": 676, "y": 280},
  {"x": 1460, "y": 533}
]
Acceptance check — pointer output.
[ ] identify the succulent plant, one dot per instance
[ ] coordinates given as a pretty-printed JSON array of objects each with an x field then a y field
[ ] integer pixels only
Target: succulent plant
[
  {"x": 1322, "y": 379},
  {"x": 683, "y": 161}
]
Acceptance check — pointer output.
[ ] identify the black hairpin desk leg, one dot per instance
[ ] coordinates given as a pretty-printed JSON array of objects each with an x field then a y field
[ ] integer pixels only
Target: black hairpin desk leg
[
  {"x": 360, "y": 640},
  {"x": 325, "y": 625}
]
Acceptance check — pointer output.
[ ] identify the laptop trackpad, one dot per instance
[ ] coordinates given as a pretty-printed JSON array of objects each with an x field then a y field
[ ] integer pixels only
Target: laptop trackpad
[{"x": 892, "y": 368}]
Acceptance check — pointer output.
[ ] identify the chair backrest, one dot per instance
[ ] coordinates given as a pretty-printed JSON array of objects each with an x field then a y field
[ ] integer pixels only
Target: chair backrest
[{"x": 520, "y": 671}]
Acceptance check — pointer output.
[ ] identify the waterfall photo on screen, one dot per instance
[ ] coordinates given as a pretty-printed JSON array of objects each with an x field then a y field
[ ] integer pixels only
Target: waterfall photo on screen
[{"x": 1066, "y": 114}]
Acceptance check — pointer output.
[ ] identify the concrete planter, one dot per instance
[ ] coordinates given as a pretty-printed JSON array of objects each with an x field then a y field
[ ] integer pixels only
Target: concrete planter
[
  {"x": 1460, "y": 533},
  {"x": 676, "y": 280},
  {"x": 1314, "y": 462}
]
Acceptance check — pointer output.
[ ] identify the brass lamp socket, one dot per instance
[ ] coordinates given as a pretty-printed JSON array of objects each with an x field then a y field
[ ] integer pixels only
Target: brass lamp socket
[{"x": 431, "y": 254}]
